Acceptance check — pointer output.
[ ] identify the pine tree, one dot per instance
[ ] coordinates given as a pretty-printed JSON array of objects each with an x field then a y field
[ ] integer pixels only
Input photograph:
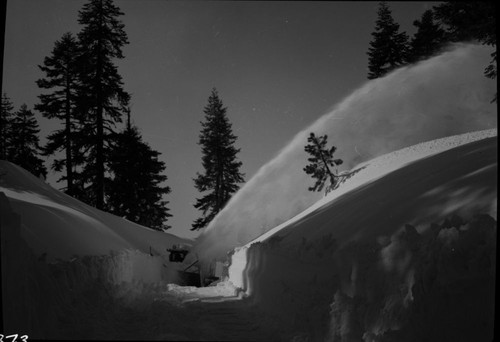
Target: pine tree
[
  {"x": 428, "y": 39},
  {"x": 471, "y": 20},
  {"x": 25, "y": 149},
  {"x": 320, "y": 162},
  {"x": 135, "y": 191},
  {"x": 102, "y": 99},
  {"x": 468, "y": 20},
  {"x": 61, "y": 76},
  {"x": 6, "y": 116},
  {"x": 222, "y": 175},
  {"x": 389, "y": 47}
]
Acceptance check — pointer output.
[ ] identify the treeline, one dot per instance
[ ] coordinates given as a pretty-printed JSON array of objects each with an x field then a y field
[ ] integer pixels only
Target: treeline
[
  {"x": 112, "y": 170},
  {"x": 446, "y": 23},
  {"x": 117, "y": 171}
]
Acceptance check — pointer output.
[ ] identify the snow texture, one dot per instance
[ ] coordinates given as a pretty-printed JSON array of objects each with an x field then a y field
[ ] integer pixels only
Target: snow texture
[
  {"x": 59, "y": 226},
  {"x": 366, "y": 263},
  {"x": 403, "y": 251},
  {"x": 440, "y": 97}
]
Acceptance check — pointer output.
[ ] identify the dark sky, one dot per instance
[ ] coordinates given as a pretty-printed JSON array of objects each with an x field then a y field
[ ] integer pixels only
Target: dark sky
[{"x": 278, "y": 66}]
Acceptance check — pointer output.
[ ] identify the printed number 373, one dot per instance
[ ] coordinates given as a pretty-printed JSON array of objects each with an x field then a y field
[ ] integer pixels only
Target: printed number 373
[{"x": 23, "y": 338}]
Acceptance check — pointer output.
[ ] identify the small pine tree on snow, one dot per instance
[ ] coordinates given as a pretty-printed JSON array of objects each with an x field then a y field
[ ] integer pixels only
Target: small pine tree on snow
[
  {"x": 321, "y": 161},
  {"x": 6, "y": 116},
  {"x": 61, "y": 77},
  {"x": 428, "y": 39},
  {"x": 24, "y": 148},
  {"x": 135, "y": 191},
  {"x": 222, "y": 175},
  {"x": 388, "y": 49}
]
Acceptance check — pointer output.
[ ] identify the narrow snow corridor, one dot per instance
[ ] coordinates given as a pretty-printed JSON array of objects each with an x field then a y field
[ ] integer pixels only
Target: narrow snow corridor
[
  {"x": 232, "y": 320},
  {"x": 364, "y": 263}
]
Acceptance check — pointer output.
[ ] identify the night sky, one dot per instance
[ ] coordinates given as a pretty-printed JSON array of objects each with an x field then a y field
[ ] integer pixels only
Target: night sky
[{"x": 278, "y": 66}]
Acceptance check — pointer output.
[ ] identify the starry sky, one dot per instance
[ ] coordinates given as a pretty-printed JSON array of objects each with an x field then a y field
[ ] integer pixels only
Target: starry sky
[{"x": 277, "y": 65}]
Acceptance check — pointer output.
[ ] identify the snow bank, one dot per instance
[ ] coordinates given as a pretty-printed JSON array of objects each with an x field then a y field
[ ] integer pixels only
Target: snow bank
[
  {"x": 60, "y": 226},
  {"x": 443, "y": 96},
  {"x": 85, "y": 297},
  {"x": 72, "y": 271},
  {"x": 403, "y": 251}
]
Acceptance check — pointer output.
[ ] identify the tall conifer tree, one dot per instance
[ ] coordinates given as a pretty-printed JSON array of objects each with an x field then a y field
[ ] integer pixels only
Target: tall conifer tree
[
  {"x": 24, "y": 147},
  {"x": 222, "y": 175},
  {"x": 61, "y": 77},
  {"x": 388, "y": 48},
  {"x": 428, "y": 39},
  {"x": 102, "y": 100},
  {"x": 6, "y": 116},
  {"x": 135, "y": 191},
  {"x": 471, "y": 20}
]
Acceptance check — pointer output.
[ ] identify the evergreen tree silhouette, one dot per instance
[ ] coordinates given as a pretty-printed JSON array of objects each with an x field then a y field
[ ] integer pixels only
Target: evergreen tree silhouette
[
  {"x": 221, "y": 176},
  {"x": 6, "y": 116},
  {"x": 471, "y": 20},
  {"x": 429, "y": 38},
  {"x": 135, "y": 191},
  {"x": 102, "y": 100},
  {"x": 321, "y": 161},
  {"x": 24, "y": 148},
  {"x": 389, "y": 47},
  {"x": 61, "y": 77}
]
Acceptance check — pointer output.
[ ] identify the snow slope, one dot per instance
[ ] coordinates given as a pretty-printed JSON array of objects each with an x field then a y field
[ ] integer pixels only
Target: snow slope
[
  {"x": 62, "y": 227},
  {"x": 442, "y": 96},
  {"x": 397, "y": 253},
  {"x": 382, "y": 258}
]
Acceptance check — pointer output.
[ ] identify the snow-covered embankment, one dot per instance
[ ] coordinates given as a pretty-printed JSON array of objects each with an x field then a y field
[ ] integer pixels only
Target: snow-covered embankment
[{"x": 398, "y": 251}]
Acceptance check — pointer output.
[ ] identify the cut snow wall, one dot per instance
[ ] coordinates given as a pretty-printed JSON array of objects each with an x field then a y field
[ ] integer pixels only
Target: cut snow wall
[
  {"x": 369, "y": 264},
  {"x": 28, "y": 296},
  {"x": 434, "y": 286},
  {"x": 50, "y": 300}
]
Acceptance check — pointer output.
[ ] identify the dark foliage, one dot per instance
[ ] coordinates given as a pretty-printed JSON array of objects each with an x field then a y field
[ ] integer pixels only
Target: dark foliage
[
  {"x": 101, "y": 100},
  {"x": 428, "y": 40},
  {"x": 61, "y": 77},
  {"x": 471, "y": 20},
  {"x": 6, "y": 116},
  {"x": 135, "y": 191},
  {"x": 24, "y": 149},
  {"x": 222, "y": 175},
  {"x": 389, "y": 47},
  {"x": 320, "y": 162}
]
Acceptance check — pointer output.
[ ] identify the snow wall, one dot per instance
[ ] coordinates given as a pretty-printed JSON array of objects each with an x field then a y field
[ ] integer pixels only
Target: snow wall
[
  {"x": 436, "y": 285},
  {"x": 445, "y": 95},
  {"x": 74, "y": 299},
  {"x": 374, "y": 264}
]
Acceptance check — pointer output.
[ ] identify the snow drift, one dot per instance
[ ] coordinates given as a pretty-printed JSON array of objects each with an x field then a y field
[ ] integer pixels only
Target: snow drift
[
  {"x": 59, "y": 226},
  {"x": 98, "y": 297},
  {"x": 403, "y": 251},
  {"x": 64, "y": 262},
  {"x": 439, "y": 97}
]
